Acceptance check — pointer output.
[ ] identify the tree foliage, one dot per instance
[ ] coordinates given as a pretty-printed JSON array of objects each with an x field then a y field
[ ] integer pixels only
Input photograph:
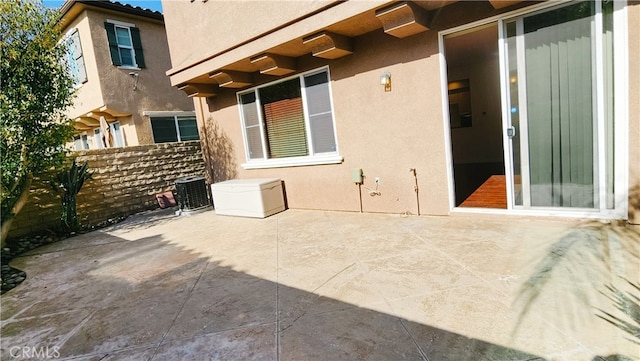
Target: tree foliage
[{"x": 35, "y": 90}]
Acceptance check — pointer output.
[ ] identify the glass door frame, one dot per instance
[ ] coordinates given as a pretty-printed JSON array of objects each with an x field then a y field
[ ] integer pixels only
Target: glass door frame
[{"x": 620, "y": 104}]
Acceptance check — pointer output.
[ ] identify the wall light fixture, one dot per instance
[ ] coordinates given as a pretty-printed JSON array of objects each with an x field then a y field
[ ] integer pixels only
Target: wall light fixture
[
  {"x": 385, "y": 79},
  {"x": 134, "y": 75}
]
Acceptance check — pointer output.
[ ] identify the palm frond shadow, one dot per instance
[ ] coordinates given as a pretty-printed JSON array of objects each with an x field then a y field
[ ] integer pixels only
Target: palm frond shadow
[
  {"x": 629, "y": 305},
  {"x": 579, "y": 267}
]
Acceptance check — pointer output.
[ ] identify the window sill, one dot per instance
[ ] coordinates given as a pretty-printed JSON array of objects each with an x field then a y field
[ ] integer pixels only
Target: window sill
[
  {"x": 128, "y": 67},
  {"x": 293, "y": 162}
]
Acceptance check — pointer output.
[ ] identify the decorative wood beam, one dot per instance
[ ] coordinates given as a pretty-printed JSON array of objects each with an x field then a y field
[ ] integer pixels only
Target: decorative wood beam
[
  {"x": 112, "y": 113},
  {"x": 199, "y": 89},
  {"x": 79, "y": 127},
  {"x": 97, "y": 115},
  {"x": 329, "y": 45},
  {"x": 274, "y": 64},
  {"x": 403, "y": 19},
  {"x": 499, "y": 4},
  {"x": 231, "y": 79},
  {"x": 87, "y": 122}
]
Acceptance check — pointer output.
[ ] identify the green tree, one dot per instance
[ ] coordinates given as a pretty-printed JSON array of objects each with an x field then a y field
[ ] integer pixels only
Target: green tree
[{"x": 35, "y": 90}]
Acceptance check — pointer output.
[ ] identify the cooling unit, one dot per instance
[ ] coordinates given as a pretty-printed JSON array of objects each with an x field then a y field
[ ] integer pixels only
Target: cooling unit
[{"x": 192, "y": 193}]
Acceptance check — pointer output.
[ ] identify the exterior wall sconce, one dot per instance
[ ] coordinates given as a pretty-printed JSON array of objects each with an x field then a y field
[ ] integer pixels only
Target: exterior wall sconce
[
  {"x": 385, "y": 79},
  {"x": 134, "y": 75}
]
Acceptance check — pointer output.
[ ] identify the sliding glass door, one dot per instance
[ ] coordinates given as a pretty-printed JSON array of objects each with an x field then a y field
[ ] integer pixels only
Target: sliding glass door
[{"x": 557, "y": 121}]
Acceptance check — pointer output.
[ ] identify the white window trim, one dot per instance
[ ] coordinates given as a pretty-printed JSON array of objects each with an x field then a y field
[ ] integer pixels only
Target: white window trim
[
  {"x": 167, "y": 113},
  {"x": 312, "y": 158},
  {"x": 128, "y": 47},
  {"x": 120, "y": 23},
  {"x": 293, "y": 161},
  {"x": 123, "y": 24},
  {"x": 621, "y": 107}
]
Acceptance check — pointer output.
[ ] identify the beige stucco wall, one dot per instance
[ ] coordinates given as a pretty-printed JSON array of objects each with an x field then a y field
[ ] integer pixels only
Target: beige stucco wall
[
  {"x": 112, "y": 86},
  {"x": 384, "y": 133},
  {"x": 208, "y": 57},
  {"x": 153, "y": 91},
  {"x": 89, "y": 95},
  {"x": 225, "y": 17}
]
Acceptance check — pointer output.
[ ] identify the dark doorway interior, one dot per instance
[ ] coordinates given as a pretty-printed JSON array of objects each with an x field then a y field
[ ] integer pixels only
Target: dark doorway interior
[{"x": 475, "y": 117}]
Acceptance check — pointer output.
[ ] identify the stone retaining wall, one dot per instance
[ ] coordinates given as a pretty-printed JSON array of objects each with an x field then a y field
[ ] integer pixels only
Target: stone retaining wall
[{"x": 125, "y": 181}]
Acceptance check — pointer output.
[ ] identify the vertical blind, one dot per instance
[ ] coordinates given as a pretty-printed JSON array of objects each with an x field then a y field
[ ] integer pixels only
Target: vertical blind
[{"x": 560, "y": 111}]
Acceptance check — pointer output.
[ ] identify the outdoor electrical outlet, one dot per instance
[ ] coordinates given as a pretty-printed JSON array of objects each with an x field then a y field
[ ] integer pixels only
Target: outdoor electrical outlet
[{"x": 377, "y": 180}]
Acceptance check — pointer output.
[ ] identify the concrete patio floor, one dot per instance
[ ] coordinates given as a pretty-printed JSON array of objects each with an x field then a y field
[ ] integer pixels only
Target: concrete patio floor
[{"x": 315, "y": 285}]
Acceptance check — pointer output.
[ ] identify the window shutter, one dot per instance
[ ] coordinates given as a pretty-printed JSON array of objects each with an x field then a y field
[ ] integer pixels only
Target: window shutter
[
  {"x": 285, "y": 128},
  {"x": 320, "y": 115},
  {"x": 137, "y": 47},
  {"x": 78, "y": 58},
  {"x": 113, "y": 43},
  {"x": 252, "y": 126}
]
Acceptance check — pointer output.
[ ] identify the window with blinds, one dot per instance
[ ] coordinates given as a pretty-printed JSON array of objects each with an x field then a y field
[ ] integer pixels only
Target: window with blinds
[{"x": 290, "y": 118}]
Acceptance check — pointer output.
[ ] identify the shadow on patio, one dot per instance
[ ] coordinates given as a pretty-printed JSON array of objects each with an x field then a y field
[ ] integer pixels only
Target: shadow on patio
[{"x": 241, "y": 289}]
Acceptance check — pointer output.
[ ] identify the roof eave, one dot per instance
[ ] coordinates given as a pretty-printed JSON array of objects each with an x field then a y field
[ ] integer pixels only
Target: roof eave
[{"x": 113, "y": 6}]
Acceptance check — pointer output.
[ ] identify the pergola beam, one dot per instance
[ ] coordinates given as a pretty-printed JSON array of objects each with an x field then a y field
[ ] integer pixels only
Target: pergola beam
[
  {"x": 199, "y": 89},
  {"x": 231, "y": 79},
  {"x": 274, "y": 64},
  {"x": 328, "y": 45},
  {"x": 499, "y": 4},
  {"x": 403, "y": 19}
]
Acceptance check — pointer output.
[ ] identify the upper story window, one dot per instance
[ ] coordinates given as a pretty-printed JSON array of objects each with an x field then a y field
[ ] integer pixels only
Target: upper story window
[
  {"x": 75, "y": 59},
  {"x": 174, "y": 127},
  {"x": 289, "y": 122},
  {"x": 124, "y": 44}
]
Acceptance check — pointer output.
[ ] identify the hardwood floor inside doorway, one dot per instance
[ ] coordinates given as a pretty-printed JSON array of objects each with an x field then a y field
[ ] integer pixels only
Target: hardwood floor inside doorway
[{"x": 491, "y": 194}]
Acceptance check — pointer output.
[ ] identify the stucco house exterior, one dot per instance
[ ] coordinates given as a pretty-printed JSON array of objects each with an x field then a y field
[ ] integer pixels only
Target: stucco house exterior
[
  {"x": 118, "y": 55},
  {"x": 505, "y": 107}
]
